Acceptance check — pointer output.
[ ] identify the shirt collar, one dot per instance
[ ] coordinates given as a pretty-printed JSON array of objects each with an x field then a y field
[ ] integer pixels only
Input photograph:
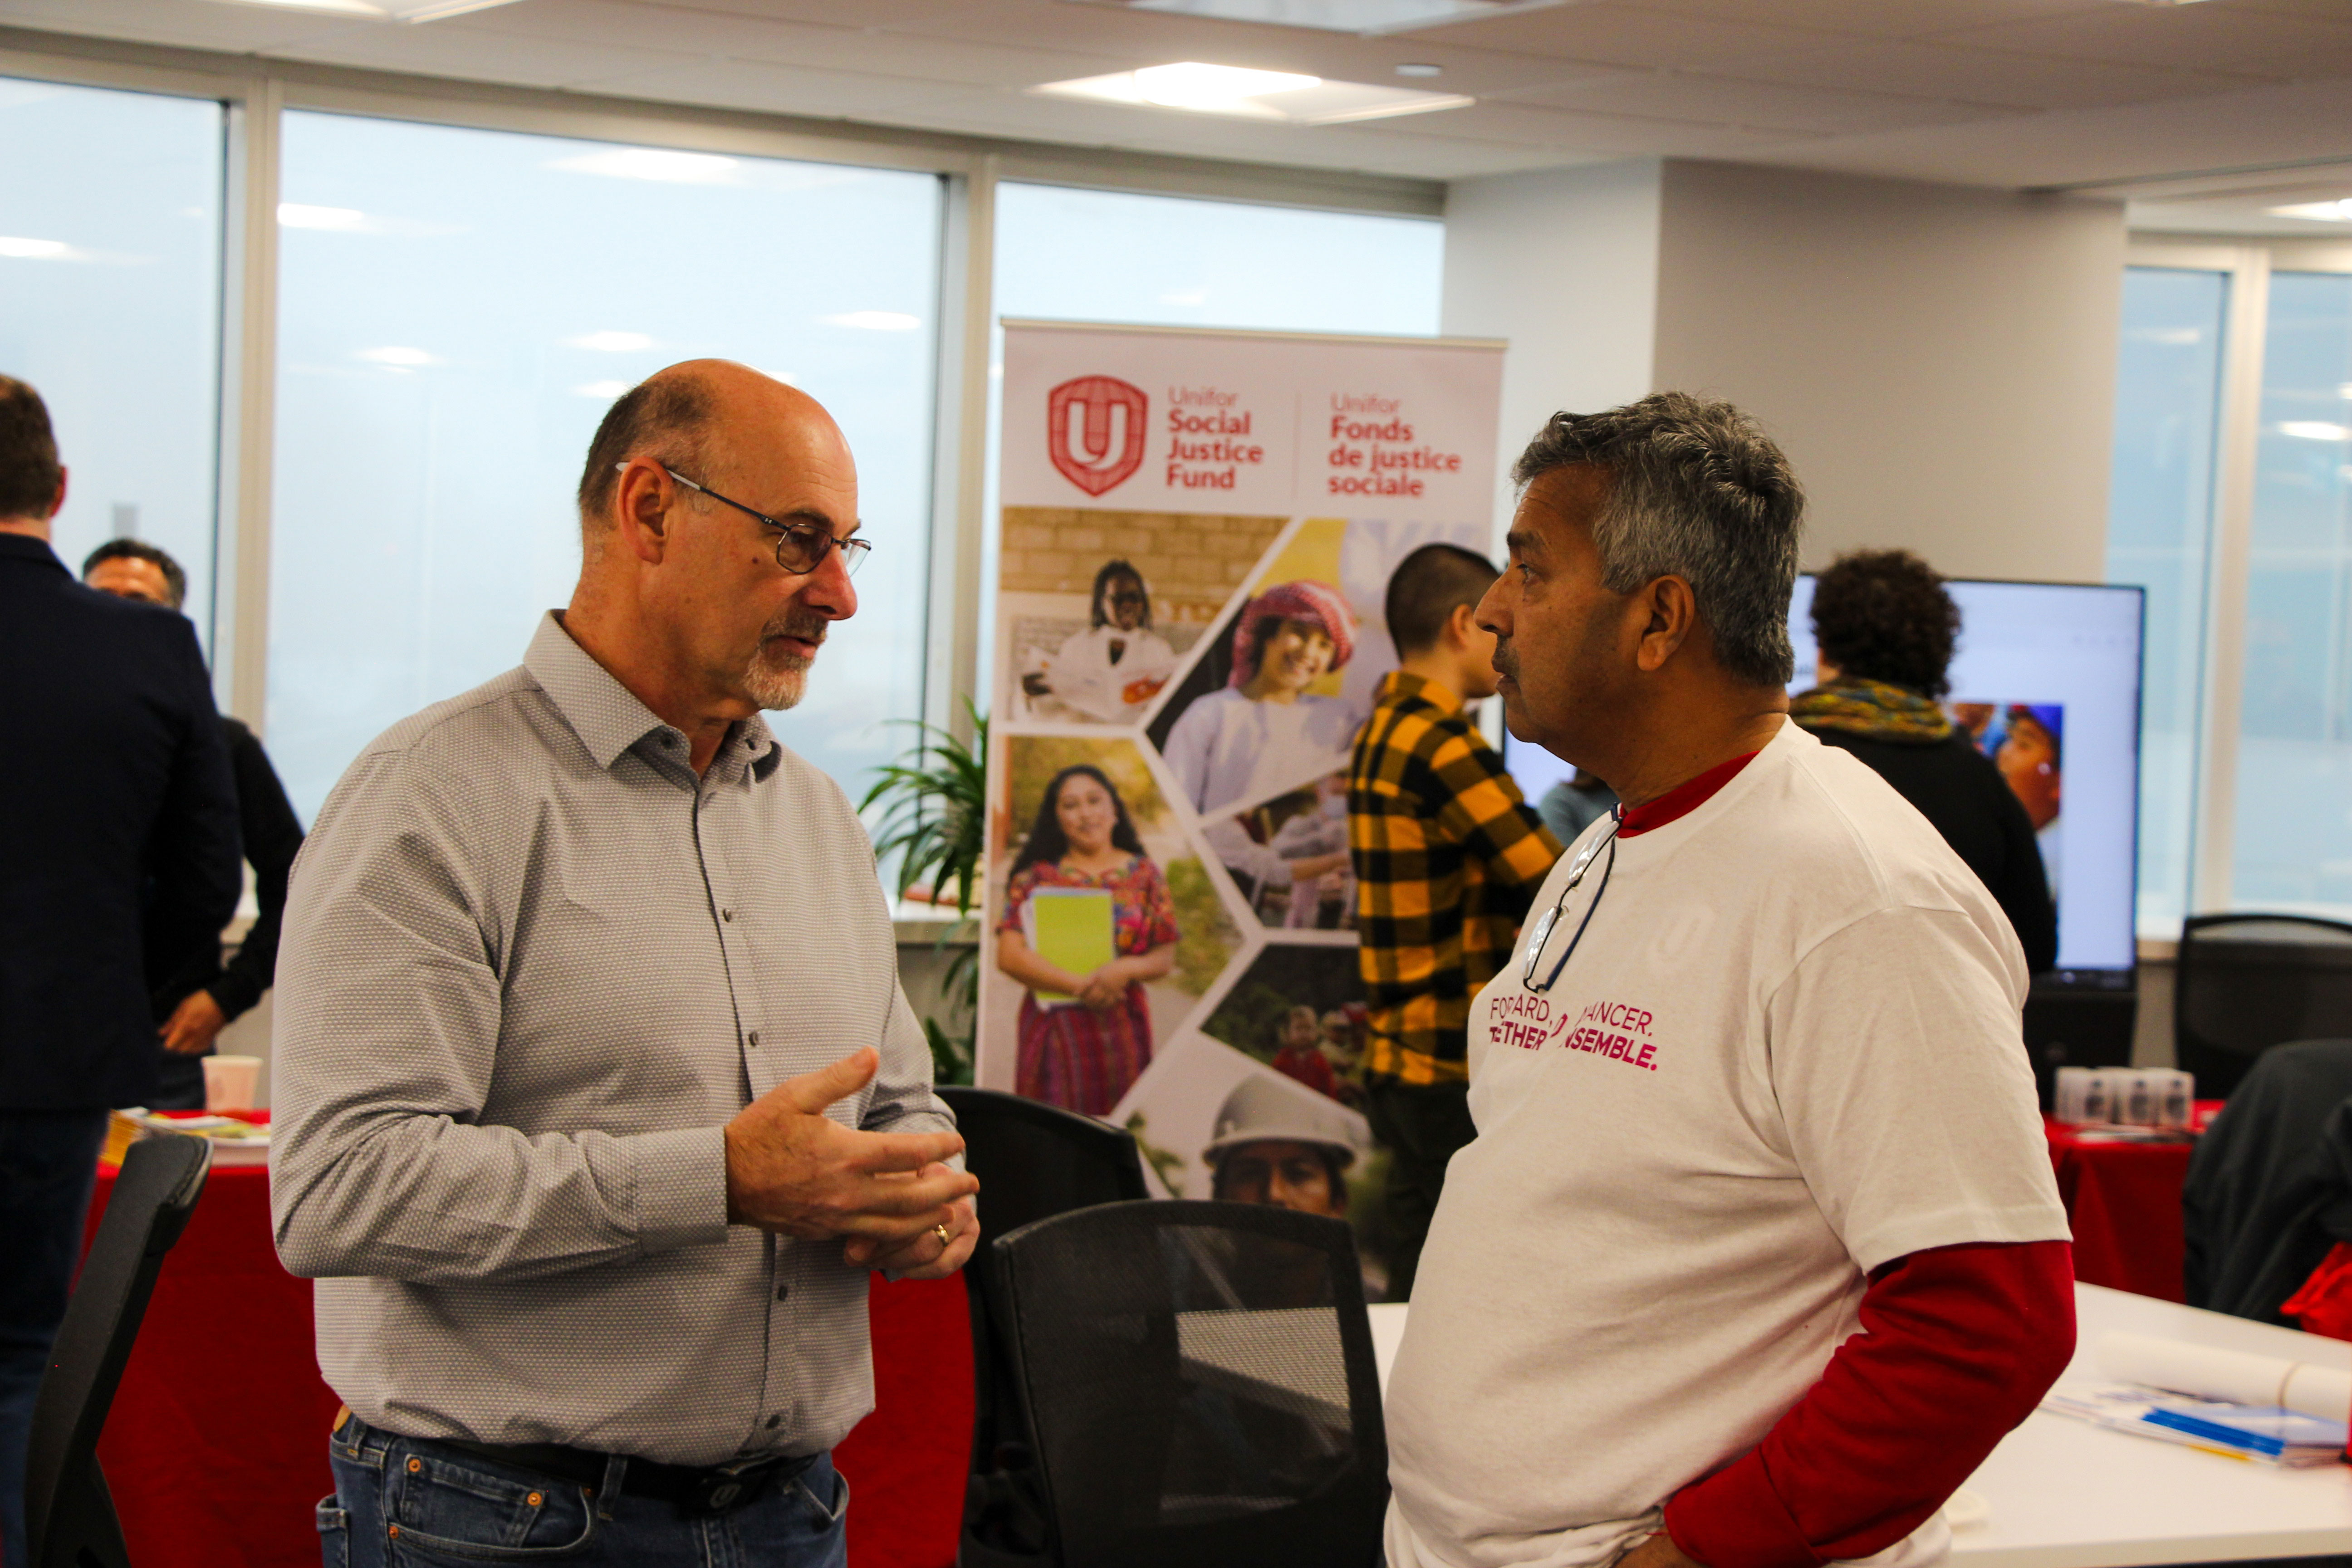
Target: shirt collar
[
  {"x": 609, "y": 721},
  {"x": 1396, "y": 686}
]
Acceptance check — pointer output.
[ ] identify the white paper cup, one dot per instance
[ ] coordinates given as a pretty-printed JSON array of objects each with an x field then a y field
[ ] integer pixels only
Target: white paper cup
[{"x": 231, "y": 1083}]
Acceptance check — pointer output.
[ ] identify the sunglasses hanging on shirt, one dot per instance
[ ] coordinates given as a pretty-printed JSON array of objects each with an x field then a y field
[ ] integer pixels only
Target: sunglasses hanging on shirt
[{"x": 1557, "y": 916}]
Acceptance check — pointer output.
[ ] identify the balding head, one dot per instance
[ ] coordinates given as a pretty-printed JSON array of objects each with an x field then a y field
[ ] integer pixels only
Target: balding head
[
  {"x": 682, "y": 593},
  {"x": 678, "y": 416}
]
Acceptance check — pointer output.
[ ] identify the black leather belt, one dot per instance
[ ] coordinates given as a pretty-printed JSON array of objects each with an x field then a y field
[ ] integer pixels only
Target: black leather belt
[
  {"x": 697, "y": 1492},
  {"x": 717, "y": 1488}
]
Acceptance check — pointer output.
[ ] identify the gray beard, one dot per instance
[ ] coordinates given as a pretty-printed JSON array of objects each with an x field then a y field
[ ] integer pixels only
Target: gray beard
[{"x": 779, "y": 680}]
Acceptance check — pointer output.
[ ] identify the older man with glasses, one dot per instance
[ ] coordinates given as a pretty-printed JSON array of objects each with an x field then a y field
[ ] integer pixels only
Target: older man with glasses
[
  {"x": 597, "y": 1095},
  {"x": 1754, "y": 1082}
]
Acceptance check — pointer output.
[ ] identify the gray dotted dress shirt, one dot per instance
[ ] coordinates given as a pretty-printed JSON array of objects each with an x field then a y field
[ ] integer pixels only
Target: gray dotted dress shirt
[{"x": 533, "y": 965}]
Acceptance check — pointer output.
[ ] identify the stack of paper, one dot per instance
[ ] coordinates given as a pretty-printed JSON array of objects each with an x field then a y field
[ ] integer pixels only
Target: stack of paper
[{"x": 2267, "y": 1434}]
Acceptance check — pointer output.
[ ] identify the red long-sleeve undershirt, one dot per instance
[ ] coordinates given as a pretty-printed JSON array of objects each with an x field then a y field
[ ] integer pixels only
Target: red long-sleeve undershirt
[{"x": 1958, "y": 1344}]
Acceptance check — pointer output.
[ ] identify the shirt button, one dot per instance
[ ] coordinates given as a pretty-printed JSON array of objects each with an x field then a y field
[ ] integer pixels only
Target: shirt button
[
  {"x": 726, "y": 914},
  {"x": 774, "y": 1421},
  {"x": 782, "y": 1291},
  {"x": 754, "y": 1039}
]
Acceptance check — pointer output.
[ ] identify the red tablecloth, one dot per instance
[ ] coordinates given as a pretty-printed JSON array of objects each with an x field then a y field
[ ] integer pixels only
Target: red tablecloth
[
  {"x": 2125, "y": 1202},
  {"x": 215, "y": 1451}
]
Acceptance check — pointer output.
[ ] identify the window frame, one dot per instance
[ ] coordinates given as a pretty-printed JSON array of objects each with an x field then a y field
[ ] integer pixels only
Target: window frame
[
  {"x": 2247, "y": 261},
  {"x": 256, "y": 95}
]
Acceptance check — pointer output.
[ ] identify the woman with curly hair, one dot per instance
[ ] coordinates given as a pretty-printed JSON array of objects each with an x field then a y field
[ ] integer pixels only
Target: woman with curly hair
[
  {"x": 1886, "y": 628},
  {"x": 1266, "y": 734}
]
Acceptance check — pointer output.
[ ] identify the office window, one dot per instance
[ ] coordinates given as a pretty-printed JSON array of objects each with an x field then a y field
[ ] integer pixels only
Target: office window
[
  {"x": 2293, "y": 847},
  {"x": 2159, "y": 535},
  {"x": 1173, "y": 261},
  {"x": 109, "y": 306},
  {"x": 458, "y": 308}
]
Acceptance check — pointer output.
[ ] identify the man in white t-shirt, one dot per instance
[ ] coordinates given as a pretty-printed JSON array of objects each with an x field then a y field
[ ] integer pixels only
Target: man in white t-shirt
[{"x": 1757, "y": 1252}]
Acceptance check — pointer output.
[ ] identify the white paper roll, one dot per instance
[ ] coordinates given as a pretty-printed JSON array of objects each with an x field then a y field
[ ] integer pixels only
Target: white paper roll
[{"x": 2234, "y": 1375}]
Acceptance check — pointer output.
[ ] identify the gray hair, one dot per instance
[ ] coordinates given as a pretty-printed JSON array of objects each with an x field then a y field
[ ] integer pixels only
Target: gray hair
[{"x": 1698, "y": 491}]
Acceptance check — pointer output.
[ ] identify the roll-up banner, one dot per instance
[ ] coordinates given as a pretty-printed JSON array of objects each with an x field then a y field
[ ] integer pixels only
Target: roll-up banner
[{"x": 1198, "y": 533}]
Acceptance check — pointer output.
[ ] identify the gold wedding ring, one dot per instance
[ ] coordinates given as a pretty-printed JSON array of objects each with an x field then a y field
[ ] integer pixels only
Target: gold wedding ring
[{"x": 945, "y": 1240}]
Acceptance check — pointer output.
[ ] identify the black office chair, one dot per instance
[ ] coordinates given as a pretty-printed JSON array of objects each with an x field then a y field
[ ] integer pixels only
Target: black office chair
[
  {"x": 68, "y": 1515},
  {"x": 1199, "y": 1387},
  {"x": 2268, "y": 1189},
  {"x": 2245, "y": 982},
  {"x": 1034, "y": 1161}
]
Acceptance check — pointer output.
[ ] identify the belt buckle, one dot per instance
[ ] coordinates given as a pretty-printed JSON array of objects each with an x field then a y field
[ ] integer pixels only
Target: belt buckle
[{"x": 725, "y": 1489}]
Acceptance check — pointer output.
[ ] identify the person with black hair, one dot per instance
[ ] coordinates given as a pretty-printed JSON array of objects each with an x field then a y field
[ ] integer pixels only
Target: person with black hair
[
  {"x": 1113, "y": 669},
  {"x": 195, "y": 995},
  {"x": 1885, "y": 627},
  {"x": 1447, "y": 853},
  {"x": 118, "y": 840},
  {"x": 1086, "y": 1038}
]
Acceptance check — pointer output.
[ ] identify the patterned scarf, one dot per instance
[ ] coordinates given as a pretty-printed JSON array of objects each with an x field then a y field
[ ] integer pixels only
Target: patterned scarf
[{"x": 1874, "y": 709}]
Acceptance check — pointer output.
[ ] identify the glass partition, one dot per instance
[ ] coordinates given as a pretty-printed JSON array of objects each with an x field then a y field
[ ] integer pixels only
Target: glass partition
[
  {"x": 2293, "y": 847},
  {"x": 110, "y": 307},
  {"x": 458, "y": 309},
  {"x": 2159, "y": 536}
]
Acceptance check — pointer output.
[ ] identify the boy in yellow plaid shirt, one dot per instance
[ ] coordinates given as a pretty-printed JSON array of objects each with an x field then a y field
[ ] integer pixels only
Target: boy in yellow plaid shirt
[{"x": 1447, "y": 853}]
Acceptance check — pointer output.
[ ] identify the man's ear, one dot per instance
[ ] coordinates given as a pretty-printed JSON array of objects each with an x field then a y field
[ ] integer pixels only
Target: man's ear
[
  {"x": 1461, "y": 627},
  {"x": 641, "y": 513},
  {"x": 1671, "y": 612}
]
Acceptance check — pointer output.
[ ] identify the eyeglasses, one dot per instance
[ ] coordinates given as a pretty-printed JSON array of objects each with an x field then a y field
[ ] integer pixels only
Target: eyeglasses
[
  {"x": 800, "y": 546},
  {"x": 1552, "y": 919}
]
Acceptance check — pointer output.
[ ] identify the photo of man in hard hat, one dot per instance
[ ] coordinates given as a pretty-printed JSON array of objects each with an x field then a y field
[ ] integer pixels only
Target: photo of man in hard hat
[{"x": 1275, "y": 1144}]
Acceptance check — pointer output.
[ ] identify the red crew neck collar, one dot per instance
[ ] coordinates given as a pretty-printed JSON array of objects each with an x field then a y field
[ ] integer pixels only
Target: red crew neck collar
[{"x": 1682, "y": 799}]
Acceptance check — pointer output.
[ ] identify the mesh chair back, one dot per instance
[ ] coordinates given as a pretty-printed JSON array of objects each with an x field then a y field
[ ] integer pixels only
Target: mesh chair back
[
  {"x": 2246, "y": 983},
  {"x": 1200, "y": 1385},
  {"x": 1034, "y": 1161},
  {"x": 68, "y": 1515}
]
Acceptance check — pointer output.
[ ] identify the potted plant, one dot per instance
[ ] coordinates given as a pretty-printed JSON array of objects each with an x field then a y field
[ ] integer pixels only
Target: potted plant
[{"x": 933, "y": 801}]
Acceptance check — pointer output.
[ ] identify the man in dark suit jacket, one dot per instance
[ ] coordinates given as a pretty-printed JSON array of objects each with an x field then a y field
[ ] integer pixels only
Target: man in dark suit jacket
[
  {"x": 117, "y": 827},
  {"x": 196, "y": 995}
]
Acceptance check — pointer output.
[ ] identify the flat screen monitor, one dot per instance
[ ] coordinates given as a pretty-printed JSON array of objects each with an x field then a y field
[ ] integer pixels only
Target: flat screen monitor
[{"x": 2060, "y": 659}]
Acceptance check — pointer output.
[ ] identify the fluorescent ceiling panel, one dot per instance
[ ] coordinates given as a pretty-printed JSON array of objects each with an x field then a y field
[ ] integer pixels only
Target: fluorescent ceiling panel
[
  {"x": 1281, "y": 97},
  {"x": 1338, "y": 16}
]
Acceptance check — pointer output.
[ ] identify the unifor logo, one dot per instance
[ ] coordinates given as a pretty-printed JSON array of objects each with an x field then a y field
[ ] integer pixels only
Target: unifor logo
[{"x": 1095, "y": 428}]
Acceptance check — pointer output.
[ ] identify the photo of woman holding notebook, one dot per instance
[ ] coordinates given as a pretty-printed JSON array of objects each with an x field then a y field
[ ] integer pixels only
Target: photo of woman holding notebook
[{"x": 1088, "y": 920}]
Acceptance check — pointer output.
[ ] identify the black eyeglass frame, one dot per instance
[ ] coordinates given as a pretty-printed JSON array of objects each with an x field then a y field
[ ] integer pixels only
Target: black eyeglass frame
[
  {"x": 854, "y": 549},
  {"x": 1542, "y": 938}
]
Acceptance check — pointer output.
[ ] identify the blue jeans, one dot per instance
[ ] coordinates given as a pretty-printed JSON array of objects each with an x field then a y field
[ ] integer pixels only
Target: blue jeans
[
  {"x": 49, "y": 1162},
  {"x": 407, "y": 1502}
]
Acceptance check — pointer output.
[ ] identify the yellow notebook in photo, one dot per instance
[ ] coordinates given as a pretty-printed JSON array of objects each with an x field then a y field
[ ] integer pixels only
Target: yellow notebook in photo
[{"x": 1069, "y": 927}]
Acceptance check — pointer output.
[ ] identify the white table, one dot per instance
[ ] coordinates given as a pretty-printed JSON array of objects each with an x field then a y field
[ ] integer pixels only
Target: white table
[{"x": 2065, "y": 1494}]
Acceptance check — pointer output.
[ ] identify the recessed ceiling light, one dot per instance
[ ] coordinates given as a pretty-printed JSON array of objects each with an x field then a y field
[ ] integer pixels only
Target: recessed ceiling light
[
  {"x": 2317, "y": 212},
  {"x": 1340, "y": 15},
  {"x": 383, "y": 10},
  {"x": 1417, "y": 68},
  {"x": 23, "y": 249},
  {"x": 2315, "y": 430},
  {"x": 346, "y": 7},
  {"x": 1281, "y": 97}
]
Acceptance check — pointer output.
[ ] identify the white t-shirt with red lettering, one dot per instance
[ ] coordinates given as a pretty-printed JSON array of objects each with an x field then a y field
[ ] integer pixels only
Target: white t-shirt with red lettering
[{"x": 1785, "y": 1051}]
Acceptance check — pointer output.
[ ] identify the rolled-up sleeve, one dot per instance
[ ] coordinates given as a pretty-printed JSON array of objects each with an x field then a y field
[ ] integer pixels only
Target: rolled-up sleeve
[{"x": 386, "y": 1039}]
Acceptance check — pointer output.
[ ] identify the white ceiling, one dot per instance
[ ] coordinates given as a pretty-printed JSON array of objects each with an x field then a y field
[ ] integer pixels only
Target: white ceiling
[{"x": 1998, "y": 92}]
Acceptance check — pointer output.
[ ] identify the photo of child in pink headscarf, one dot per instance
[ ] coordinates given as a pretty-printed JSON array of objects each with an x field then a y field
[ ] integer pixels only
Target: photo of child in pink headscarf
[{"x": 1265, "y": 733}]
